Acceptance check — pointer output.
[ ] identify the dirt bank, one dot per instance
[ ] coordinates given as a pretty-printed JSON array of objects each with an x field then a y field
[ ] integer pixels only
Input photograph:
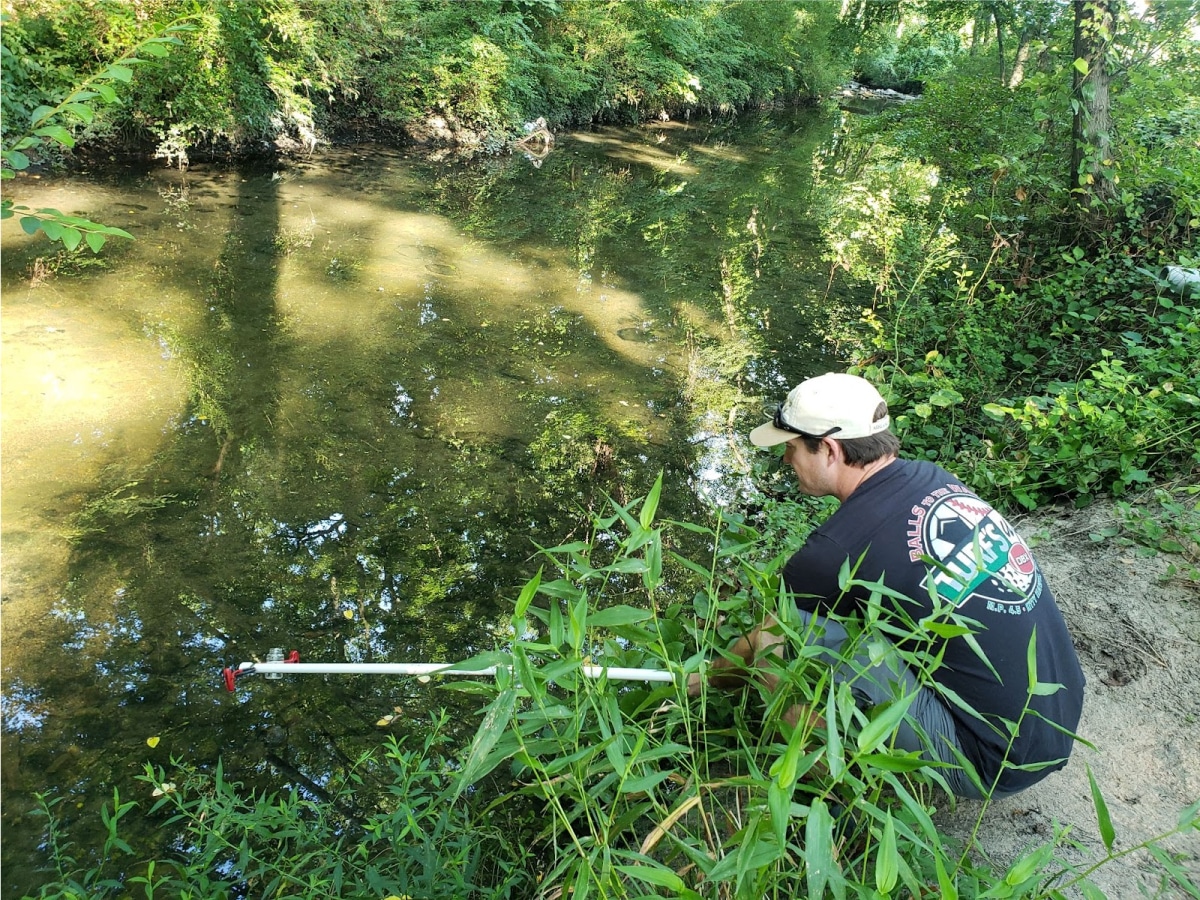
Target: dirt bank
[{"x": 1138, "y": 637}]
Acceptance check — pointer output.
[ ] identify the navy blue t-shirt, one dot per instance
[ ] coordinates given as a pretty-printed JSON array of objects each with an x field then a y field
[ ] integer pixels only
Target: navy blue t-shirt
[{"x": 915, "y": 525}]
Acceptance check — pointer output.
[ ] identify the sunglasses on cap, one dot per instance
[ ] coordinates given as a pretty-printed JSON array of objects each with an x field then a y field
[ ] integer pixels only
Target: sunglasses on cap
[{"x": 782, "y": 425}]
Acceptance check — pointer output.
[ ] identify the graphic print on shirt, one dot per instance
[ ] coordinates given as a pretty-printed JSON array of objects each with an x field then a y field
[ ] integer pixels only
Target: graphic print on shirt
[{"x": 976, "y": 552}]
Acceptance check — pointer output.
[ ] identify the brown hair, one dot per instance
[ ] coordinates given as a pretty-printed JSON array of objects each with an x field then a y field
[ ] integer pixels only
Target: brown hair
[{"x": 863, "y": 450}]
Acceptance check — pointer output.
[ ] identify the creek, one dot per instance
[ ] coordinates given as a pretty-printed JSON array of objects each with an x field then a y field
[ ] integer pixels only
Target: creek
[{"x": 335, "y": 404}]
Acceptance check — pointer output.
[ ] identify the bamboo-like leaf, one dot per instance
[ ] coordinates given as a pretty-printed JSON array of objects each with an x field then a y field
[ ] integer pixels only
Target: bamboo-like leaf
[
  {"x": 887, "y": 860},
  {"x": 1185, "y": 880},
  {"x": 1107, "y": 833},
  {"x": 480, "y": 760},
  {"x": 818, "y": 848},
  {"x": 617, "y": 615},
  {"x": 893, "y": 763},
  {"x": 577, "y": 615},
  {"x": 653, "y": 574},
  {"x": 645, "y": 783},
  {"x": 946, "y": 885},
  {"x": 650, "y": 505},
  {"x": 876, "y": 730},
  {"x": 834, "y": 758},
  {"x": 656, "y": 874},
  {"x": 527, "y": 595},
  {"x": 779, "y": 804},
  {"x": 558, "y": 634}
]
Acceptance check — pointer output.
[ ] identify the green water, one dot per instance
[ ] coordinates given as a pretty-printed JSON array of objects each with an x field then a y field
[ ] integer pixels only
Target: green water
[{"x": 334, "y": 405}]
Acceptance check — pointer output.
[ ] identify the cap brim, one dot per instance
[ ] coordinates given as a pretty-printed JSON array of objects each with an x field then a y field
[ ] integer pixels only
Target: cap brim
[{"x": 767, "y": 435}]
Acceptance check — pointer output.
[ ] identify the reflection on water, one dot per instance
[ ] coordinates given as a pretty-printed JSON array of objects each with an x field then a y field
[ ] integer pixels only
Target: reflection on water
[{"x": 332, "y": 406}]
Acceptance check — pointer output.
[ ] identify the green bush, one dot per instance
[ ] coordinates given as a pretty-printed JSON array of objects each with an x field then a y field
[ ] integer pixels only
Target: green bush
[{"x": 580, "y": 786}]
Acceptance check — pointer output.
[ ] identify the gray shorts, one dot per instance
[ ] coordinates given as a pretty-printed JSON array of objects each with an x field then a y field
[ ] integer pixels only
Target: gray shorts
[{"x": 928, "y": 727}]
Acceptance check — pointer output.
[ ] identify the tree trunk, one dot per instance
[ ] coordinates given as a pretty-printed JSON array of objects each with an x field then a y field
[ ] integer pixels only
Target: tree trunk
[
  {"x": 999, "y": 39},
  {"x": 1091, "y": 125}
]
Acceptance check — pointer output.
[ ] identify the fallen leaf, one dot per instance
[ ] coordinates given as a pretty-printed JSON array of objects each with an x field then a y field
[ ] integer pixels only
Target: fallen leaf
[{"x": 152, "y": 742}]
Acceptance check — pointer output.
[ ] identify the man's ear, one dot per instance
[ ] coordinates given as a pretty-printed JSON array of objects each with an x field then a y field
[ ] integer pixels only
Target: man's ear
[{"x": 834, "y": 449}]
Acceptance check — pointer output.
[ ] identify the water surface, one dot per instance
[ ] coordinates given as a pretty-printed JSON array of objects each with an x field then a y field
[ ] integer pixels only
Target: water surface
[{"x": 335, "y": 405}]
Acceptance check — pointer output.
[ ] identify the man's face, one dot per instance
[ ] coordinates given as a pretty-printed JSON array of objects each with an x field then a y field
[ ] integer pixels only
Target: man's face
[{"x": 812, "y": 469}]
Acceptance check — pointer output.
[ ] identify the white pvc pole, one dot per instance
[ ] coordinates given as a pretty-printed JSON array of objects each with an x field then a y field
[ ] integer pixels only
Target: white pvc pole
[{"x": 613, "y": 673}]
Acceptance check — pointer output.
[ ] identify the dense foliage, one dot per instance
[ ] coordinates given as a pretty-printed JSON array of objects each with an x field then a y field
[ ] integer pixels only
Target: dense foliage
[
  {"x": 1004, "y": 290},
  {"x": 583, "y": 788},
  {"x": 297, "y": 70}
]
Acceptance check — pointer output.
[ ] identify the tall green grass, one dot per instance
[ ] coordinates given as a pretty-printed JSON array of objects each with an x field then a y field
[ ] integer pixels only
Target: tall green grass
[{"x": 588, "y": 788}]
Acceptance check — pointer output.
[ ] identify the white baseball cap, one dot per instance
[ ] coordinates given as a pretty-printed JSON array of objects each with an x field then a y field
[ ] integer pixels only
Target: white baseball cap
[{"x": 833, "y": 405}]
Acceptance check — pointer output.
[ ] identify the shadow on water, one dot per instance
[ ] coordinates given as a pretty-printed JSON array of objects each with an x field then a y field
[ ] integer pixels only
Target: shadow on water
[{"x": 355, "y": 392}]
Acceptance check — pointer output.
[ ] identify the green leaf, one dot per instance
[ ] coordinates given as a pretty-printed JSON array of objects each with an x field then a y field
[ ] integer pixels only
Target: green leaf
[
  {"x": 946, "y": 397},
  {"x": 887, "y": 860},
  {"x": 16, "y": 159},
  {"x": 480, "y": 760},
  {"x": 617, "y": 615},
  {"x": 779, "y": 804},
  {"x": 30, "y": 225},
  {"x": 117, "y": 73},
  {"x": 946, "y": 885},
  {"x": 1182, "y": 877},
  {"x": 527, "y": 594},
  {"x": 39, "y": 115},
  {"x": 106, "y": 92},
  {"x": 891, "y": 763},
  {"x": 818, "y": 848},
  {"x": 71, "y": 238},
  {"x": 1081, "y": 66},
  {"x": 57, "y": 134},
  {"x": 95, "y": 240},
  {"x": 1029, "y": 865},
  {"x": 1107, "y": 833},
  {"x": 650, "y": 506},
  {"x": 655, "y": 873},
  {"x": 833, "y": 740},
  {"x": 645, "y": 783},
  {"x": 875, "y": 731},
  {"x": 82, "y": 110},
  {"x": 54, "y": 230}
]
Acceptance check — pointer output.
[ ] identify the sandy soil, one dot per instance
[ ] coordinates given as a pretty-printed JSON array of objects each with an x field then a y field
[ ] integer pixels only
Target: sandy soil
[{"x": 1138, "y": 638}]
